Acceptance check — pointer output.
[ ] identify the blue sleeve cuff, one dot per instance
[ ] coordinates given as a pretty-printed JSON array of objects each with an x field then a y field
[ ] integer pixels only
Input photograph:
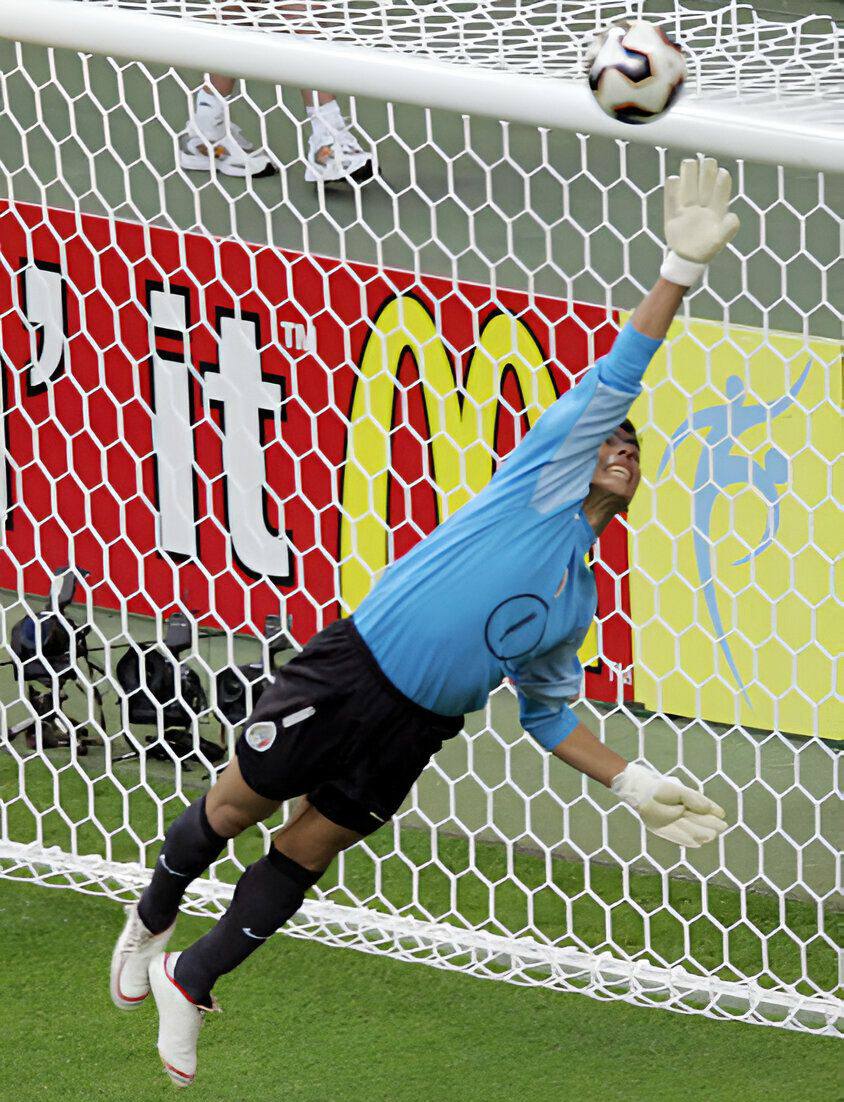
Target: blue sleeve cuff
[
  {"x": 550, "y": 729},
  {"x": 624, "y": 365}
]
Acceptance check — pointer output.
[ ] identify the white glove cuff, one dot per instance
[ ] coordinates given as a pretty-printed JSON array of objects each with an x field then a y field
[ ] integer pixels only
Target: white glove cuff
[
  {"x": 636, "y": 784},
  {"x": 676, "y": 269}
]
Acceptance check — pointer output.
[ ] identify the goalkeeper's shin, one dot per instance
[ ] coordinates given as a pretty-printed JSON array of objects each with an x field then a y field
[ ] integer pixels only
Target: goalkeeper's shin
[
  {"x": 269, "y": 893},
  {"x": 191, "y": 844}
]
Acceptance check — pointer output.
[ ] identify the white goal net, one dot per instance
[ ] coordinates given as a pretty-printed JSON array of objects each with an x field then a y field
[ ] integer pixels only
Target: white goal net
[{"x": 228, "y": 403}]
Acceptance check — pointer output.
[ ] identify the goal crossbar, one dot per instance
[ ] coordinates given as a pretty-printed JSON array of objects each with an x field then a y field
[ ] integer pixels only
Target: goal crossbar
[{"x": 748, "y": 132}]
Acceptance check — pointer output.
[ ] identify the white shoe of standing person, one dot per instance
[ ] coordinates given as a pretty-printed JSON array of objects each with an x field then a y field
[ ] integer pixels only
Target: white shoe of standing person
[
  {"x": 135, "y": 948},
  {"x": 334, "y": 154},
  {"x": 212, "y": 140},
  {"x": 179, "y": 1020}
]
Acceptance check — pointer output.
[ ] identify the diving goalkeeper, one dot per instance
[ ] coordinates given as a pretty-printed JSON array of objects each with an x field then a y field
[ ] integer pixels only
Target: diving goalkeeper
[{"x": 501, "y": 589}]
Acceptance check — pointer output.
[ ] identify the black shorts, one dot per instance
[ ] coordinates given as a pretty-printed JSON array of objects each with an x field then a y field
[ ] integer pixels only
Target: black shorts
[{"x": 332, "y": 726}]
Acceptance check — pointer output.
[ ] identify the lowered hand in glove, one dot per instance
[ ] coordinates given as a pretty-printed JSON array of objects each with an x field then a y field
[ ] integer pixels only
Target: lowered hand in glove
[{"x": 668, "y": 808}]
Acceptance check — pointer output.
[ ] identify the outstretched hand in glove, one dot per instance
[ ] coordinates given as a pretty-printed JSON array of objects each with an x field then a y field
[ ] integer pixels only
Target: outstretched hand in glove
[{"x": 698, "y": 222}]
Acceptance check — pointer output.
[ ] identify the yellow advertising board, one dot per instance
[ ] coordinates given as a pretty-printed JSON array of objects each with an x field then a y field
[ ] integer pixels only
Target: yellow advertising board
[
  {"x": 461, "y": 432},
  {"x": 736, "y": 529}
]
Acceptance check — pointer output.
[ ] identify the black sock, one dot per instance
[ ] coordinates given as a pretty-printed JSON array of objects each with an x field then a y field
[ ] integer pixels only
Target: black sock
[
  {"x": 189, "y": 848},
  {"x": 268, "y": 893}
]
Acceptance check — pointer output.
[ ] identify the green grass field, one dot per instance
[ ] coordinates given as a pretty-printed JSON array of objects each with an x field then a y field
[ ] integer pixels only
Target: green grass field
[{"x": 305, "y": 1023}]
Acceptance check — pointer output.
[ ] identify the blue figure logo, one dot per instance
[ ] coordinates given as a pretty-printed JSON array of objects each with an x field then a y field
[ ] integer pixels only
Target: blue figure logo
[{"x": 718, "y": 469}]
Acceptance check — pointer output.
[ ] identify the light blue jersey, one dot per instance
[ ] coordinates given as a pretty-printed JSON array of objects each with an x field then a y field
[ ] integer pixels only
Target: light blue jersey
[{"x": 502, "y": 589}]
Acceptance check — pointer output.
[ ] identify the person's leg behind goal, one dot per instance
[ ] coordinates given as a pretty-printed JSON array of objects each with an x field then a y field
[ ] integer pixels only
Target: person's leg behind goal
[
  {"x": 333, "y": 152},
  {"x": 212, "y": 141}
]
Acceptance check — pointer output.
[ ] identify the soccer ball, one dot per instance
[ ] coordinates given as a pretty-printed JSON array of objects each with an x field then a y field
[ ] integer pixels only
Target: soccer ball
[{"x": 635, "y": 71}]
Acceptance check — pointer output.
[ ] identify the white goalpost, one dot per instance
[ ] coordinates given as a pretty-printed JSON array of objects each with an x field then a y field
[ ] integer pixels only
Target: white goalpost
[
  {"x": 737, "y": 114},
  {"x": 228, "y": 404}
]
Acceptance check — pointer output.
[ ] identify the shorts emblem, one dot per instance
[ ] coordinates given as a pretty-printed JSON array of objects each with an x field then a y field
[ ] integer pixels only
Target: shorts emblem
[{"x": 261, "y": 736}]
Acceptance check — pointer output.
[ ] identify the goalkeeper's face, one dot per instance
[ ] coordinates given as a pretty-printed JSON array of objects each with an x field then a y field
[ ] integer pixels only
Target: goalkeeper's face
[{"x": 617, "y": 472}]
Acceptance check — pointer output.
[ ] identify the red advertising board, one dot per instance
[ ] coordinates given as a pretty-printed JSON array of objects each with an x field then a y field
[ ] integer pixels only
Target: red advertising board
[{"x": 177, "y": 416}]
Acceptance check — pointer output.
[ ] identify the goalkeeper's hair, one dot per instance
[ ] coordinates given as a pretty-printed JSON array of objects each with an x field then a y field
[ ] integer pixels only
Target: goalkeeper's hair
[{"x": 630, "y": 427}]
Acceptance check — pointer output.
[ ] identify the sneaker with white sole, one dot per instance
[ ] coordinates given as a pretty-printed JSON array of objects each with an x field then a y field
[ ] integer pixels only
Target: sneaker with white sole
[
  {"x": 337, "y": 157},
  {"x": 136, "y": 946},
  {"x": 226, "y": 148},
  {"x": 179, "y": 1020}
]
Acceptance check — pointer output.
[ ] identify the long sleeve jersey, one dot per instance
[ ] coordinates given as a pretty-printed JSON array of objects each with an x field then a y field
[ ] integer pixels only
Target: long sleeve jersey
[{"x": 502, "y": 588}]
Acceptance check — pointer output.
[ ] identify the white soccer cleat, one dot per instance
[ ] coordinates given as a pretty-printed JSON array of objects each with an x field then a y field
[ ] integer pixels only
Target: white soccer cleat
[
  {"x": 136, "y": 946},
  {"x": 337, "y": 157},
  {"x": 224, "y": 147},
  {"x": 179, "y": 1020}
]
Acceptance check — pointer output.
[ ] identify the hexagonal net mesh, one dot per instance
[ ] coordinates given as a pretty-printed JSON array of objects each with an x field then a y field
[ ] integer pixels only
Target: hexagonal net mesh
[
  {"x": 229, "y": 402},
  {"x": 733, "y": 51}
]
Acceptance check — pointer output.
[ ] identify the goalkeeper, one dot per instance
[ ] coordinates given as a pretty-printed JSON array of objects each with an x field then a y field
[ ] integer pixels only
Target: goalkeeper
[{"x": 499, "y": 590}]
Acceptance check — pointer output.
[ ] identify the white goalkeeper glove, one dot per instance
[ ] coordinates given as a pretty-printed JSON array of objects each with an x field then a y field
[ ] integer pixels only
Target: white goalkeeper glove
[
  {"x": 697, "y": 219},
  {"x": 669, "y": 809}
]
